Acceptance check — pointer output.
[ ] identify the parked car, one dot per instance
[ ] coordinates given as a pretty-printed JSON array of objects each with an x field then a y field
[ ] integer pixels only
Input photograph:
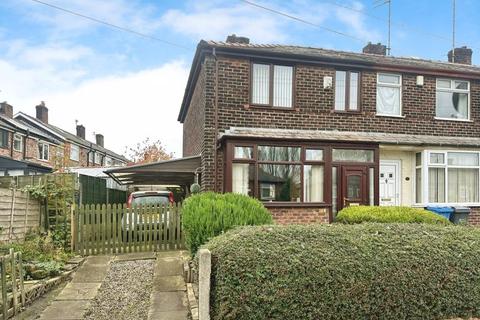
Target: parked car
[{"x": 147, "y": 198}]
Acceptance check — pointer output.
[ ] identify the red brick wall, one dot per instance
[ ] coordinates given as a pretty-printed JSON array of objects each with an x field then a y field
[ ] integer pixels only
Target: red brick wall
[
  {"x": 313, "y": 104},
  {"x": 474, "y": 217},
  {"x": 299, "y": 215}
]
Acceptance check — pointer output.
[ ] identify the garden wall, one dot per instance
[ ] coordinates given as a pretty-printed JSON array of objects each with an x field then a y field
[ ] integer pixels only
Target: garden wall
[{"x": 18, "y": 213}]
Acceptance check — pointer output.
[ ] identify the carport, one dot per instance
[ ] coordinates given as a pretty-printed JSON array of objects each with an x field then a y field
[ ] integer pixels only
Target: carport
[{"x": 180, "y": 172}]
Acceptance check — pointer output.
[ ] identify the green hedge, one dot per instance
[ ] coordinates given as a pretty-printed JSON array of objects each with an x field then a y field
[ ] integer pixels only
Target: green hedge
[
  {"x": 209, "y": 214},
  {"x": 388, "y": 215},
  {"x": 362, "y": 271}
]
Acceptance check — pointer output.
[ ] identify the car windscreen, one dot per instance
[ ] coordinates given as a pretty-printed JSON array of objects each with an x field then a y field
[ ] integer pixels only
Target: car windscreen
[{"x": 150, "y": 200}]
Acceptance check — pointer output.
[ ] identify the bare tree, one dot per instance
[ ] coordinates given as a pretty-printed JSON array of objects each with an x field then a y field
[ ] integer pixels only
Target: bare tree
[{"x": 147, "y": 151}]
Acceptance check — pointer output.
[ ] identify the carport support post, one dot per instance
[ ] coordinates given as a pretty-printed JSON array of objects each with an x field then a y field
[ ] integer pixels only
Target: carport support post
[{"x": 205, "y": 268}]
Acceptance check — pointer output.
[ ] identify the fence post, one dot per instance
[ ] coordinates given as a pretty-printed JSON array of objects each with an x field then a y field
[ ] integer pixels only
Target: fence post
[
  {"x": 26, "y": 213},
  {"x": 205, "y": 268},
  {"x": 20, "y": 276},
  {"x": 73, "y": 229},
  {"x": 14, "y": 280},
  {"x": 3, "y": 264},
  {"x": 12, "y": 211}
]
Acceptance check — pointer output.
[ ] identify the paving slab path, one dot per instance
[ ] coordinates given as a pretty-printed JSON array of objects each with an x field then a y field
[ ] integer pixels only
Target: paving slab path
[
  {"x": 74, "y": 299},
  {"x": 169, "y": 299}
]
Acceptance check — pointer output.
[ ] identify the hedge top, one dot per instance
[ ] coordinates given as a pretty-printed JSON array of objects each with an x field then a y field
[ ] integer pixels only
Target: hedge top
[
  {"x": 362, "y": 214},
  {"x": 362, "y": 271}
]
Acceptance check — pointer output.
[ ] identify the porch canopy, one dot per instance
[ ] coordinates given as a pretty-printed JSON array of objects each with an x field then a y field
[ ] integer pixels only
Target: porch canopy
[{"x": 171, "y": 172}]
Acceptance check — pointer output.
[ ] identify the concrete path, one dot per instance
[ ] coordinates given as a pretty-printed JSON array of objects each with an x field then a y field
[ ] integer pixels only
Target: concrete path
[
  {"x": 74, "y": 299},
  {"x": 168, "y": 300}
]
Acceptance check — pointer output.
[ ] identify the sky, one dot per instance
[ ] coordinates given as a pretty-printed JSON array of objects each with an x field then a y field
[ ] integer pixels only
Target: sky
[{"x": 129, "y": 87}]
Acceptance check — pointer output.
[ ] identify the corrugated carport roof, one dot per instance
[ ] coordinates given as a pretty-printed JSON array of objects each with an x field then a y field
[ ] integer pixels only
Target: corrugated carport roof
[{"x": 177, "y": 171}]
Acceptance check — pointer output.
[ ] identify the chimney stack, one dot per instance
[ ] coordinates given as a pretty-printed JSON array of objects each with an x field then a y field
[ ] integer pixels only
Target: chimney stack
[
  {"x": 234, "y": 39},
  {"x": 81, "y": 131},
  {"x": 378, "y": 49},
  {"x": 99, "y": 139},
  {"x": 42, "y": 112},
  {"x": 462, "y": 55},
  {"x": 6, "y": 110}
]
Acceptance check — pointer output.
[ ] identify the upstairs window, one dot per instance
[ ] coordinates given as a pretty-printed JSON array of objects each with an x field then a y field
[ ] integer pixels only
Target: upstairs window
[
  {"x": 453, "y": 98},
  {"x": 347, "y": 91},
  {"x": 43, "y": 151},
  {"x": 17, "y": 142},
  {"x": 74, "y": 152},
  {"x": 389, "y": 94},
  {"x": 98, "y": 158},
  {"x": 3, "y": 138},
  {"x": 272, "y": 85}
]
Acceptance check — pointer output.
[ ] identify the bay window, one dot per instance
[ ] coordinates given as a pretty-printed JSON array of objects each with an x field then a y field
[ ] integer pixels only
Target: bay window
[
  {"x": 453, "y": 99},
  {"x": 347, "y": 85},
  {"x": 452, "y": 177},
  {"x": 389, "y": 94},
  {"x": 272, "y": 85}
]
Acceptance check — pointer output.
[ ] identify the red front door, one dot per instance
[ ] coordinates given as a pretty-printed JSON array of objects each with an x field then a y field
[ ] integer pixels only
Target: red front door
[{"x": 354, "y": 190}]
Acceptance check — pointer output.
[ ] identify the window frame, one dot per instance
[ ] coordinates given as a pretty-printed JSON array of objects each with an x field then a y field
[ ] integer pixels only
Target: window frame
[
  {"x": 78, "y": 153},
  {"x": 99, "y": 158},
  {"x": 15, "y": 138},
  {"x": 4, "y": 140},
  {"x": 270, "y": 88},
  {"x": 45, "y": 146},
  {"x": 453, "y": 90},
  {"x": 426, "y": 164},
  {"x": 347, "y": 91},
  {"x": 383, "y": 84}
]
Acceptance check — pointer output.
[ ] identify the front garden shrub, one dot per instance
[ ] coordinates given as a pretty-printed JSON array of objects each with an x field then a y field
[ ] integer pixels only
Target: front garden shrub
[
  {"x": 359, "y": 214},
  {"x": 209, "y": 214},
  {"x": 361, "y": 271}
]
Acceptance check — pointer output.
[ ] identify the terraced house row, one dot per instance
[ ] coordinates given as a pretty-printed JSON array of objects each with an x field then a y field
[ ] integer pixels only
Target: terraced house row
[
  {"x": 309, "y": 131},
  {"x": 31, "y": 145}
]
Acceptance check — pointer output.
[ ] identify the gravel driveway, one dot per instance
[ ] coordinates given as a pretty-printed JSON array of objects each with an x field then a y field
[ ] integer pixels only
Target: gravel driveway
[{"x": 125, "y": 292}]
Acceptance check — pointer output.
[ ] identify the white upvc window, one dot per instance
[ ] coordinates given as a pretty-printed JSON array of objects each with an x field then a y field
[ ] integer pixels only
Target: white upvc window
[
  {"x": 108, "y": 161},
  {"x": 91, "y": 159},
  {"x": 98, "y": 158},
  {"x": 18, "y": 142},
  {"x": 448, "y": 177},
  {"x": 389, "y": 94},
  {"x": 272, "y": 85},
  {"x": 43, "y": 151},
  {"x": 453, "y": 99},
  {"x": 74, "y": 152}
]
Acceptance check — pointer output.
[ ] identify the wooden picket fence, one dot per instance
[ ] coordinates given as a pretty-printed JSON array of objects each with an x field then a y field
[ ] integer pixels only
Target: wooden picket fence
[
  {"x": 13, "y": 290},
  {"x": 113, "y": 229}
]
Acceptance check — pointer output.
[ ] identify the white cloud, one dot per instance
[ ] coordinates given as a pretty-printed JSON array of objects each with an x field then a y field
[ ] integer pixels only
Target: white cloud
[
  {"x": 208, "y": 20},
  {"x": 125, "y": 108},
  {"x": 355, "y": 21}
]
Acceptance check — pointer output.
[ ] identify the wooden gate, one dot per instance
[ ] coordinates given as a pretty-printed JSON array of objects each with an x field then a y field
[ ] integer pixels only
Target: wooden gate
[{"x": 112, "y": 229}]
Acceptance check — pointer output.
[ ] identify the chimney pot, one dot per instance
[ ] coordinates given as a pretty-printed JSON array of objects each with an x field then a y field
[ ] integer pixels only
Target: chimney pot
[
  {"x": 99, "y": 138},
  {"x": 81, "y": 131},
  {"x": 378, "y": 49},
  {"x": 463, "y": 55},
  {"x": 236, "y": 39},
  {"x": 6, "y": 110},
  {"x": 42, "y": 112}
]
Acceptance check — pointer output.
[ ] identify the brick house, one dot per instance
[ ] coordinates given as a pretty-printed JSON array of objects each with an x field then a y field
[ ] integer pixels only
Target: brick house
[
  {"x": 33, "y": 140},
  {"x": 309, "y": 131}
]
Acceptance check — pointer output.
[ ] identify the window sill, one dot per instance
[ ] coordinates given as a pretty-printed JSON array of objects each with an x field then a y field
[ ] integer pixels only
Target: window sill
[
  {"x": 389, "y": 116},
  {"x": 452, "y": 119},
  {"x": 417, "y": 205},
  {"x": 285, "y": 204},
  {"x": 263, "y": 107}
]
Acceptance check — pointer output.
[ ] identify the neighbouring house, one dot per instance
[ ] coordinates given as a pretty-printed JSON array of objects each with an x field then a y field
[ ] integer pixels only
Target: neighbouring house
[
  {"x": 24, "y": 150},
  {"x": 309, "y": 131},
  {"x": 33, "y": 141}
]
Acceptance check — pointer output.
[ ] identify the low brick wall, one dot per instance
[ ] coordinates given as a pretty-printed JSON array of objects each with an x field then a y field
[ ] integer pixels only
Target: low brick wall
[
  {"x": 474, "y": 216},
  {"x": 299, "y": 215}
]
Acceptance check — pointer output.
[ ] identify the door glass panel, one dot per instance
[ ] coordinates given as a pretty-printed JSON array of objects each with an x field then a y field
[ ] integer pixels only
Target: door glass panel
[
  {"x": 371, "y": 189},
  {"x": 354, "y": 183}
]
